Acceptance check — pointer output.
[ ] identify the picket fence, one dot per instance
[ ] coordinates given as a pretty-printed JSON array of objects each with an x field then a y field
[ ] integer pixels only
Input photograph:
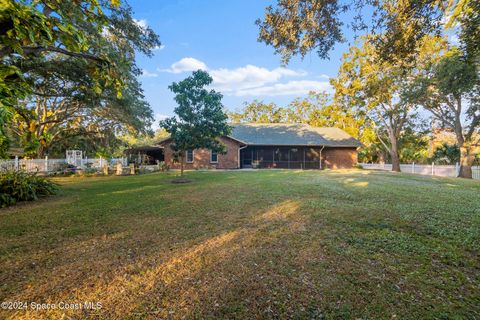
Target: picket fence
[
  {"x": 47, "y": 165},
  {"x": 424, "y": 169}
]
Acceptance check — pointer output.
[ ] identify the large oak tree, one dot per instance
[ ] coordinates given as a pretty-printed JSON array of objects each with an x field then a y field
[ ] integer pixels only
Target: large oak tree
[
  {"x": 65, "y": 104},
  {"x": 375, "y": 85},
  {"x": 450, "y": 90},
  {"x": 60, "y": 59}
]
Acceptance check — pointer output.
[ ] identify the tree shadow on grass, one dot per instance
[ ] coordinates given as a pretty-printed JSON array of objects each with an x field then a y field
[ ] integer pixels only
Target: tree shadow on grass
[
  {"x": 227, "y": 254},
  {"x": 119, "y": 285}
]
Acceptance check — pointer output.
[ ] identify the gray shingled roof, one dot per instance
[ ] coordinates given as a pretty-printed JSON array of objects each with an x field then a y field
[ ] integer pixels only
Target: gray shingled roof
[{"x": 291, "y": 134}]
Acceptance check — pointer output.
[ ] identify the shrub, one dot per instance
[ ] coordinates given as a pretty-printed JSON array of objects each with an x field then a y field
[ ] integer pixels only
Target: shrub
[
  {"x": 20, "y": 186},
  {"x": 89, "y": 171},
  {"x": 446, "y": 154},
  {"x": 164, "y": 166},
  {"x": 358, "y": 166},
  {"x": 66, "y": 169}
]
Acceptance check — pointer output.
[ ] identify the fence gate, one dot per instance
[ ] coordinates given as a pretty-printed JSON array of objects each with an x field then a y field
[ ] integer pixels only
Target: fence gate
[{"x": 74, "y": 157}]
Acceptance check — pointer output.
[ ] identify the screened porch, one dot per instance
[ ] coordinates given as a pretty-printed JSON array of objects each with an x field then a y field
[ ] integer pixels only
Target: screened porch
[{"x": 285, "y": 157}]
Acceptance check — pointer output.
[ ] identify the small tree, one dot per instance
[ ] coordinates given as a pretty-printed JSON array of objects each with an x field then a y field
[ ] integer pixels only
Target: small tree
[
  {"x": 446, "y": 153},
  {"x": 200, "y": 118}
]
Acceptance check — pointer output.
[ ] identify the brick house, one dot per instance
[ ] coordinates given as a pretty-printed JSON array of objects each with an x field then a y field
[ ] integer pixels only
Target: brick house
[{"x": 289, "y": 146}]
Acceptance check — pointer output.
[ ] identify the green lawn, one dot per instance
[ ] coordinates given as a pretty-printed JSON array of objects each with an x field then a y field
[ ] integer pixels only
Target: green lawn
[{"x": 257, "y": 244}]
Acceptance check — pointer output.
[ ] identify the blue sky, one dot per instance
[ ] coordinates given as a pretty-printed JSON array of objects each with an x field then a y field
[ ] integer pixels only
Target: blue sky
[{"x": 220, "y": 36}]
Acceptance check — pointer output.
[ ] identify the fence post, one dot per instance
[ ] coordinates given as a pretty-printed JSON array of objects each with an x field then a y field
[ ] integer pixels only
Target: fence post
[
  {"x": 105, "y": 169},
  {"x": 119, "y": 168},
  {"x": 16, "y": 163},
  {"x": 457, "y": 169},
  {"x": 46, "y": 163},
  {"x": 433, "y": 168},
  {"x": 413, "y": 167}
]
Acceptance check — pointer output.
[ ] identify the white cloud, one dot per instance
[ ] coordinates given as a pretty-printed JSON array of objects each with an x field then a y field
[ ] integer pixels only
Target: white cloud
[
  {"x": 324, "y": 76},
  {"x": 250, "y": 76},
  {"x": 252, "y": 80},
  {"x": 148, "y": 74},
  {"x": 156, "y": 123},
  {"x": 160, "y": 116},
  {"x": 186, "y": 65},
  {"x": 231, "y": 81},
  {"x": 299, "y": 87},
  {"x": 142, "y": 23},
  {"x": 159, "y": 48}
]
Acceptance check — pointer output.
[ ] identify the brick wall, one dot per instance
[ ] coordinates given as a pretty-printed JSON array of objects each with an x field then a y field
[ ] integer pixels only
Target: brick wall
[
  {"x": 201, "y": 157},
  {"x": 332, "y": 158},
  {"x": 339, "y": 158}
]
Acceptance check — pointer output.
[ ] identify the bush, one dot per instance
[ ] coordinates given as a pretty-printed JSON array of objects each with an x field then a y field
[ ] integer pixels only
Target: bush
[
  {"x": 20, "y": 186},
  {"x": 358, "y": 166},
  {"x": 446, "y": 154},
  {"x": 163, "y": 166},
  {"x": 90, "y": 171},
  {"x": 66, "y": 169}
]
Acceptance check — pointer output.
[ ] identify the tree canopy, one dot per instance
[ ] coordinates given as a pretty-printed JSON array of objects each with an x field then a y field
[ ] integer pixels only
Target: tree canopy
[
  {"x": 258, "y": 112},
  {"x": 103, "y": 33},
  {"x": 68, "y": 68},
  {"x": 296, "y": 27}
]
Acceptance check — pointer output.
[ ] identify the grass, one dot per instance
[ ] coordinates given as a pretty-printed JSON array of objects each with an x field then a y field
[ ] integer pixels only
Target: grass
[{"x": 260, "y": 244}]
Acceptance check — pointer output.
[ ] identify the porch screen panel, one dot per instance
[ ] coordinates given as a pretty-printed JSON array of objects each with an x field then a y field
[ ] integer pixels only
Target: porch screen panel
[
  {"x": 295, "y": 158},
  {"x": 264, "y": 157},
  {"x": 281, "y": 157},
  {"x": 312, "y": 158},
  {"x": 292, "y": 157},
  {"x": 246, "y": 157}
]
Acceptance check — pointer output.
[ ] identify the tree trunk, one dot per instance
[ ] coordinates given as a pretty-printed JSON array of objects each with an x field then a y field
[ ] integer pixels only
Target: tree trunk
[
  {"x": 395, "y": 161},
  {"x": 40, "y": 151},
  {"x": 394, "y": 154},
  {"x": 466, "y": 161},
  {"x": 381, "y": 156},
  {"x": 181, "y": 165}
]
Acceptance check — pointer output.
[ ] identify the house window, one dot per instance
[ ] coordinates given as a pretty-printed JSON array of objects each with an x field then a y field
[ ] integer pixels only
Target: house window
[
  {"x": 213, "y": 156},
  {"x": 189, "y": 156}
]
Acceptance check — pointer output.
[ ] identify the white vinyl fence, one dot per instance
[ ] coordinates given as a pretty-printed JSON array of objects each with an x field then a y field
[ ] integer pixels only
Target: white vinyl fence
[
  {"x": 47, "y": 165},
  {"x": 425, "y": 169}
]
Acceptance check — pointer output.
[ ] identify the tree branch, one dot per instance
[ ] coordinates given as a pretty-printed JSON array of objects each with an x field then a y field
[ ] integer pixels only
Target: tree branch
[
  {"x": 38, "y": 49},
  {"x": 473, "y": 126}
]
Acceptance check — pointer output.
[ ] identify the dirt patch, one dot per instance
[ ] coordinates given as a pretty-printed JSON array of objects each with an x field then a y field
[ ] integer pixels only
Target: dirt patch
[{"x": 180, "y": 180}]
